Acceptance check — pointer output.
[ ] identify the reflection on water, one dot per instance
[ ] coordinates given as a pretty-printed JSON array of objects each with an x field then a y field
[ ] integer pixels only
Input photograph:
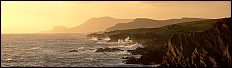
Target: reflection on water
[{"x": 53, "y": 50}]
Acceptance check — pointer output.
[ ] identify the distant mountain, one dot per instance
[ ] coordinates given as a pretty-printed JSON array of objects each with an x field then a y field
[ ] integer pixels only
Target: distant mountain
[
  {"x": 91, "y": 25},
  {"x": 149, "y": 23},
  {"x": 59, "y": 29},
  {"x": 110, "y": 24},
  {"x": 98, "y": 24}
]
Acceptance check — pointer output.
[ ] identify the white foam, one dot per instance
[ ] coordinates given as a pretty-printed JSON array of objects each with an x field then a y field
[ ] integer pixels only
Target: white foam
[
  {"x": 107, "y": 38},
  {"x": 8, "y": 59},
  {"x": 95, "y": 39},
  {"x": 133, "y": 47},
  {"x": 101, "y": 42},
  {"x": 81, "y": 48},
  {"x": 126, "y": 47},
  {"x": 120, "y": 41},
  {"x": 137, "y": 56},
  {"x": 89, "y": 59},
  {"x": 123, "y": 52},
  {"x": 128, "y": 40},
  {"x": 36, "y": 48}
]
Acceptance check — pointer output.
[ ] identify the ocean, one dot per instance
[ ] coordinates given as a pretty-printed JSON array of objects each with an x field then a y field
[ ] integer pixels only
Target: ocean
[{"x": 54, "y": 50}]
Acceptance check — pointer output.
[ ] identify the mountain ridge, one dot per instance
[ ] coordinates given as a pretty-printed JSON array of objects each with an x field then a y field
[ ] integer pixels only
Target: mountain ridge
[
  {"x": 91, "y": 25},
  {"x": 149, "y": 23},
  {"x": 107, "y": 23}
]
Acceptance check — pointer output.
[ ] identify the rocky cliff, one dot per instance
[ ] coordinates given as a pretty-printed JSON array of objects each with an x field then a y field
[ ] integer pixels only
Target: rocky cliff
[
  {"x": 207, "y": 48},
  {"x": 205, "y": 43}
]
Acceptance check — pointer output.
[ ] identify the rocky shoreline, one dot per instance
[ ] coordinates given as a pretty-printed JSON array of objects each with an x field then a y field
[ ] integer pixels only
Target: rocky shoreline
[{"x": 205, "y": 43}]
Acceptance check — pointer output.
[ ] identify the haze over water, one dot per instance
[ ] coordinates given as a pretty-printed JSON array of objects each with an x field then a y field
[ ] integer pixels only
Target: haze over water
[{"x": 52, "y": 50}]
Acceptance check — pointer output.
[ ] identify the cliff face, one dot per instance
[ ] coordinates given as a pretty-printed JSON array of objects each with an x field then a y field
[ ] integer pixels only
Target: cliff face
[
  {"x": 205, "y": 43},
  {"x": 208, "y": 48}
]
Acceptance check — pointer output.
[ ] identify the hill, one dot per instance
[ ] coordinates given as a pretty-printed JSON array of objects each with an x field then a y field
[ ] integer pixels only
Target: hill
[
  {"x": 98, "y": 24},
  {"x": 149, "y": 23},
  {"x": 91, "y": 25},
  {"x": 204, "y": 43}
]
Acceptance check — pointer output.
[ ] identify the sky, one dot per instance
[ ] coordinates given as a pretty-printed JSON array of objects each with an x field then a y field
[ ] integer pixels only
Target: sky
[{"x": 35, "y": 16}]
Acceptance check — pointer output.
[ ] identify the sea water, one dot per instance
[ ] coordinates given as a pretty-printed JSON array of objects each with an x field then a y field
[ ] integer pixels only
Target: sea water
[{"x": 53, "y": 50}]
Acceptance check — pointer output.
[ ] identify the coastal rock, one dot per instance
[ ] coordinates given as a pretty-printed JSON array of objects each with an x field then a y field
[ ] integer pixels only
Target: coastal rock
[
  {"x": 107, "y": 49},
  {"x": 209, "y": 48},
  {"x": 131, "y": 60},
  {"x": 73, "y": 51}
]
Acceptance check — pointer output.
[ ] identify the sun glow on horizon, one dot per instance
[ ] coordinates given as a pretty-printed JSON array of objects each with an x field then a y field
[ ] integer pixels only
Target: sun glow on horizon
[{"x": 36, "y": 16}]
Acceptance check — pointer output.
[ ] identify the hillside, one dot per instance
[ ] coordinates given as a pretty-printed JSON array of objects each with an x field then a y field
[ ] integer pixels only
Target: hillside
[
  {"x": 205, "y": 43},
  {"x": 149, "y": 23},
  {"x": 98, "y": 24},
  {"x": 164, "y": 31}
]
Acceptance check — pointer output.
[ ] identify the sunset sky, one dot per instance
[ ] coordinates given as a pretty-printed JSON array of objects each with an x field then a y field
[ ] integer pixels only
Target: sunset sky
[{"x": 35, "y": 16}]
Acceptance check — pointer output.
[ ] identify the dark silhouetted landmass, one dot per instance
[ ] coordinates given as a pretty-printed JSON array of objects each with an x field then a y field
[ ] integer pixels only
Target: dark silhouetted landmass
[
  {"x": 98, "y": 24},
  {"x": 59, "y": 29},
  {"x": 204, "y": 43},
  {"x": 108, "y": 49},
  {"x": 91, "y": 25},
  {"x": 149, "y": 23}
]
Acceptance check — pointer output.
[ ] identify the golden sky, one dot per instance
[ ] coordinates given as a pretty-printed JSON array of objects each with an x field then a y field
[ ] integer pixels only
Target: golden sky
[{"x": 35, "y": 16}]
